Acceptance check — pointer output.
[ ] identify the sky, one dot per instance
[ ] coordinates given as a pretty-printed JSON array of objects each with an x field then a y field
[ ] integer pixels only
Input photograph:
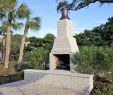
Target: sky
[{"x": 85, "y": 18}]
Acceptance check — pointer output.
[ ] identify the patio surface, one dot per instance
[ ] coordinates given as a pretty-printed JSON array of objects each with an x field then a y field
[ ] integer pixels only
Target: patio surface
[{"x": 34, "y": 88}]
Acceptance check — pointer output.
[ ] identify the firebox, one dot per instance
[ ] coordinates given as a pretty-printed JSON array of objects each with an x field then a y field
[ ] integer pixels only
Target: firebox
[{"x": 63, "y": 61}]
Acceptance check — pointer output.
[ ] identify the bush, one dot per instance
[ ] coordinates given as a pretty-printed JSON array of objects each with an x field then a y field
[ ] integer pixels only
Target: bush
[
  {"x": 37, "y": 58},
  {"x": 94, "y": 60},
  {"x": 102, "y": 86},
  {"x": 108, "y": 90}
]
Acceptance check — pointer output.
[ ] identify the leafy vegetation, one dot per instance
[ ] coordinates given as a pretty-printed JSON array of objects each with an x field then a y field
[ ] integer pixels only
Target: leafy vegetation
[
  {"x": 37, "y": 52},
  {"x": 99, "y": 62},
  {"x": 33, "y": 24},
  {"x": 94, "y": 60},
  {"x": 102, "y": 86},
  {"x": 79, "y": 4},
  {"x": 34, "y": 44},
  {"x": 37, "y": 58},
  {"x": 99, "y": 36},
  {"x": 10, "y": 13},
  {"x": 96, "y": 45}
]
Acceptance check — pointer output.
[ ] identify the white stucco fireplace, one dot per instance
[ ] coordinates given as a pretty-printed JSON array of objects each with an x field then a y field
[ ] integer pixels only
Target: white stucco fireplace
[{"x": 64, "y": 45}]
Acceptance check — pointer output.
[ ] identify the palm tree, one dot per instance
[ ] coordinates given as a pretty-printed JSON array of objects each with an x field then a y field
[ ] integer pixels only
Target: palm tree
[
  {"x": 3, "y": 29},
  {"x": 33, "y": 24},
  {"x": 10, "y": 17},
  {"x": 11, "y": 13}
]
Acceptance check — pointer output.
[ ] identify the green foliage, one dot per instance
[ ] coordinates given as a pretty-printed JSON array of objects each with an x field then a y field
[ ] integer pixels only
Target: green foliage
[
  {"x": 23, "y": 11},
  {"x": 102, "y": 86},
  {"x": 46, "y": 42},
  {"x": 94, "y": 60},
  {"x": 37, "y": 58},
  {"x": 79, "y": 4},
  {"x": 61, "y": 5},
  {"x": 105, "y": 90},
  {"x": 15, "y": 46},
  {"x": 99, "y": 36},
  {"x": 34, "y": 23}
]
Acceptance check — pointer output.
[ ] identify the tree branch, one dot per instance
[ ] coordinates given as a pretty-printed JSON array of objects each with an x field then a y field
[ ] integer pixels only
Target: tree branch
[{"x": 84, "y": 3}]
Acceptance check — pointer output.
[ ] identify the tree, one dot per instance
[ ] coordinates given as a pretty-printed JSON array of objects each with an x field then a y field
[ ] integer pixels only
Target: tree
[
  {"x": 75, "y": 5},
  {"x": 101, "y": 35},
  {"x": 33, "y": 24},
  {"x": 48, "y": 41},
  {"x": 15, "y": 47},
  {"x": 63, "y": 4},
  {"x": 8, "y": 7},
  {"x": 78, "y": 4},
  {"x": 3, "y": 30}
]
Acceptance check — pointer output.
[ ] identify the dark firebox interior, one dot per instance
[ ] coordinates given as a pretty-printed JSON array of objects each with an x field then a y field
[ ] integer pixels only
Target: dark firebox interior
[{"x": 64, "y": 61}]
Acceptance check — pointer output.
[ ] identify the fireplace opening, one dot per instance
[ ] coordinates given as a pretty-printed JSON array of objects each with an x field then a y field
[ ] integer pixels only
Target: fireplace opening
[{"x": 63, "y": 61}]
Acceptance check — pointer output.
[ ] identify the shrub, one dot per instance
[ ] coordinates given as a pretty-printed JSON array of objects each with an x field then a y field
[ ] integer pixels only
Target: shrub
[
  {"x": 37, "y": 58},
  {"x": 102, "y": 86},
  {"x": 106, "y": 90},
  {"x": 94, "y": 60}
]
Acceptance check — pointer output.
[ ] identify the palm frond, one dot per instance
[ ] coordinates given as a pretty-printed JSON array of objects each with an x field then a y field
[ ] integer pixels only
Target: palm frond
[
  {"x": 2, "y": 15},
  {"x": 3, "y": 27},
  {"x": 23, "y": 11},
  {"x": 9, "y": 4},
  {"x": 34, "y": 24},
  {"x": 17, "y": 25}
]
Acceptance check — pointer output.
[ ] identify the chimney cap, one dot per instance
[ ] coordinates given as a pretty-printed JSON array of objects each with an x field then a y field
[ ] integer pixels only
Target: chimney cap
[{"x": 64, "y": 12}]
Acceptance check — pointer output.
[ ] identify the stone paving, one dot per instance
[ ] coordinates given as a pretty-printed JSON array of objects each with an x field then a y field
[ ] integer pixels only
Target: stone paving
[{"x": 34, "y": 88}]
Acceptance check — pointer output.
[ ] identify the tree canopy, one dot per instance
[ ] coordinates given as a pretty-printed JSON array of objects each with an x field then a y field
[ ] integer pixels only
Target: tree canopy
[
  {"x": 99, "y": 36},
  {"x": 78, "y": 4}
]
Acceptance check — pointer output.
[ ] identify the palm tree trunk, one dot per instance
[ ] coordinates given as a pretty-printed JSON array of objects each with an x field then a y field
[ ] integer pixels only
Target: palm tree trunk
[
  {"x": 3, "y": 48},
  {"x": 22, "y": 46},
  {"x": 8, "y": 46}
]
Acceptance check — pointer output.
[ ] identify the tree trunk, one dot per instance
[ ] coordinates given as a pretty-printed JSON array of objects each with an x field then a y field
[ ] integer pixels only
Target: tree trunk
[
  {"x": 22, "y": 46},
  {"x": 3, "y": 48},
  {"x": 8, "y": 47}
]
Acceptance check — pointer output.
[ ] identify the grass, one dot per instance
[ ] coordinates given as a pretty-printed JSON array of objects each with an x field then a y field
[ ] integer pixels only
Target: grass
[{"x": 3, "y": 71}]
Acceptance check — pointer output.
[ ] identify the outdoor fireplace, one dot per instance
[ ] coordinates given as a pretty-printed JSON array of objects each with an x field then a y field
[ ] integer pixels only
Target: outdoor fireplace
[{"x": 64, "y": 44}]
